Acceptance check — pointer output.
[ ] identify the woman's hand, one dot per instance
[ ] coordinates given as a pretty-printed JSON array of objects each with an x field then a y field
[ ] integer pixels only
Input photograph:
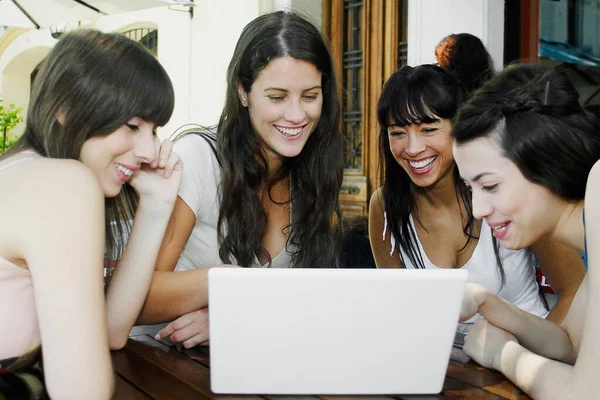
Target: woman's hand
[
  {"x": 191, "y": 329},
  {"x": 484, "y": 343},
  {"x": 160, "y": 179},
  {"x": 472, "y": 300}
]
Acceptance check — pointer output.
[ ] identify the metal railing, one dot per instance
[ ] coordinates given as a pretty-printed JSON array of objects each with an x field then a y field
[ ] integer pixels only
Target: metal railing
[{"x": 147, "y": 37}]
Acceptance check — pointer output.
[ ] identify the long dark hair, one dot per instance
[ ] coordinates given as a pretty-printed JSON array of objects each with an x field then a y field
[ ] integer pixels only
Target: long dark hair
[
  {"x": 316, "y": 173},
  {"x": 99, "y": 81},
  {"x": 421, "y": 94},
  {"x": 416, "y": 95},
  {"x": 534, "y": 115}
]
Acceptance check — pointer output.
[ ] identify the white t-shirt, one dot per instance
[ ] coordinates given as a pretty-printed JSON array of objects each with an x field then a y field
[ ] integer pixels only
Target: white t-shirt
[
  {"x": 199, "y": 190},
  {"x": 520, "y": 285}
]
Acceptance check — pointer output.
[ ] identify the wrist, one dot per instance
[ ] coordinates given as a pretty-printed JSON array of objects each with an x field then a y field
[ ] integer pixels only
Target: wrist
[
  {"x": 155, "y": 206},
  {"x": 507, "y": 352},
  {"x": 482, "y": 297}
]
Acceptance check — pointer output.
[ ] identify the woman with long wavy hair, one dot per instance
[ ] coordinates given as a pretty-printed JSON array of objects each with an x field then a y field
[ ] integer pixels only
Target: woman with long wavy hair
[{"x": 261, "y": 190}]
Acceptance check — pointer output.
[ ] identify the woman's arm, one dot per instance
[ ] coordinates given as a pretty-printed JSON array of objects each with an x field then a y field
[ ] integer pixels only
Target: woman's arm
[
  {"x": 547, "y": 379},
  {"x": 543, "y": 378},
  {"x": 173, "y": 294},
  {"x": 61, "y": 231},
  {"x": 381, "y": 247},
  {"x": 564, "y": 269},
  {"x": 536, "y": 334},
  {"x": 157, "y": 185}
]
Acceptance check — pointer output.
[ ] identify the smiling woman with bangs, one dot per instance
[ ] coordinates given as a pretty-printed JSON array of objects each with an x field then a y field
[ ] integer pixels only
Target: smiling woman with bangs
[
  {"x": 88, "y": 164},
  {"x": 421, "y": 217}
]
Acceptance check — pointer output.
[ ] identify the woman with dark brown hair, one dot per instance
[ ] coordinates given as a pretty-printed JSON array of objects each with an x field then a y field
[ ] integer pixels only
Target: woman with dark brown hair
[
  {"x": 87, "y": 166},
  {"x": 261, "y": 190}
]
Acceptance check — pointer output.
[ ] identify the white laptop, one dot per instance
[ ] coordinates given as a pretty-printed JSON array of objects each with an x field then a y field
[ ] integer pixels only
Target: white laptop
[{"x": 332, "y": 331}]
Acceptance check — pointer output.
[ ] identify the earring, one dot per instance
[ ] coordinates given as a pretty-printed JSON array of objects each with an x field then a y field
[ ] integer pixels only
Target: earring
[{"x": 244, "y": 101}]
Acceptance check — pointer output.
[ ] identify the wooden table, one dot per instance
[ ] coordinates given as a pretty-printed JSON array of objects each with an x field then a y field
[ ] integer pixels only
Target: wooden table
[{"x": 147, "y": 369}]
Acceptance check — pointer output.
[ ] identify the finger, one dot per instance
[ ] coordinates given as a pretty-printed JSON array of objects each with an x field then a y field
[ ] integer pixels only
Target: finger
[
  {"x": 189, "y": 332},
  {"x": 174, "y": 326},
  {"x": 174, "y": 162},
  {"x": 199, "y": 339},
  {"x": 165, "y": 151},
  {"x": 154, "y": 162},
  {"x": 165, "y": 332}
]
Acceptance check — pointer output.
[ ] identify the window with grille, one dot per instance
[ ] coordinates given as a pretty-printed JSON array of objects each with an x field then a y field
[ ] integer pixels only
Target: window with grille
[
  {"x": 352, "y": 88},
  {"x": 147, "y": 37}
]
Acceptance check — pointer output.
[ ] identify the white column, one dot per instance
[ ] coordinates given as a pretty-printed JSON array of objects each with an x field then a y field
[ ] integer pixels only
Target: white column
[{"x": 215, "y": 30}]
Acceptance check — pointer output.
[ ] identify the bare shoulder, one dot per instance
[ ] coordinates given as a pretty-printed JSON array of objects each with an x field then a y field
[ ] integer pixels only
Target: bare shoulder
[
  {"x": 376, "y": 211},
  {"x": 51, "y": 184},
  {"x": 376, "y": 203},
  {"x": 53, "y": 197},
  {"x": 58, "y": 177}
]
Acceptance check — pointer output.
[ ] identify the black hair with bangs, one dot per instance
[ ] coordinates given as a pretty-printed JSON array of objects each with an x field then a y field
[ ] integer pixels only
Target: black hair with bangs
[{"x": 423, "y": 94}]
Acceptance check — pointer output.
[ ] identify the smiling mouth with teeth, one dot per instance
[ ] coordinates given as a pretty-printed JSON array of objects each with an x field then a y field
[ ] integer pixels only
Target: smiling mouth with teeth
[
  {"x": 289, "y": 131},
  {"x": 125, "y": 171},
  {"x": 422, "y": 164}
]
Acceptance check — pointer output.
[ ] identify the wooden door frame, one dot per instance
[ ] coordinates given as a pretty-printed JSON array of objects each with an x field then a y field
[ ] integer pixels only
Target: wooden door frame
[
  {"x": 380, "y": 59},
  {"x": 530, "y": 30}
]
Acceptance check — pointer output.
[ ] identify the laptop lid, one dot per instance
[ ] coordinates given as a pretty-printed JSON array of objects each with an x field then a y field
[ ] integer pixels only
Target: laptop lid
[{"x": 332, "y": 331}]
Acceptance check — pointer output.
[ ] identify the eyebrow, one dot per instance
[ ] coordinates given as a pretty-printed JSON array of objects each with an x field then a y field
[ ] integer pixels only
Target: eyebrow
[
  {"x": 285, "y": 90},
  {"x": 481, "y": 175},
  {"x": 392, "y": 125}
]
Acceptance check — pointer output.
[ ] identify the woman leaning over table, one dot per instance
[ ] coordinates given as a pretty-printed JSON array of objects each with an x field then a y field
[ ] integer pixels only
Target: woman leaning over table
[
  {"x": 263, "y": 190},
  {"x": 88, "y": 162},
  {"x": 530, "y": 153},
  {"x": 421, "y": 216}
]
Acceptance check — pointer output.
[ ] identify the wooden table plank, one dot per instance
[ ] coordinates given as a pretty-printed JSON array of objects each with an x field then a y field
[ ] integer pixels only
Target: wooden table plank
[
  {"x": 151, "y": 379},
  {"x": 126, "y": 391},
  {"x": 489, "y": 380},
  {"x": 455, "y": 389},
  {"x": 420, "y": 397},
  {"x": 149, "y": 369},
  {"x": 356, "y": 397},
  {"x": 290, "y": 397},
  {"x": 200, "y": 354},
  {"x": 174, "y": 363}
]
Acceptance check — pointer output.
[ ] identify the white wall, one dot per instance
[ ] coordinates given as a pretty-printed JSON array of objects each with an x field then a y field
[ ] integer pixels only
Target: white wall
[
  {"x": 215, "y": 30},
  {"x": 430, "y": 20}
]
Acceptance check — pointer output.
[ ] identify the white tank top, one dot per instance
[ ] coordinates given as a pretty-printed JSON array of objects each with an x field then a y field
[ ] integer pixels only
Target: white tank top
[{"x": 520, "y": 285}]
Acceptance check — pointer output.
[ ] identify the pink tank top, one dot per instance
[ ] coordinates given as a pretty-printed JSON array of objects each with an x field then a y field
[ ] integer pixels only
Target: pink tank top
[{"x": 19, "y": 329}]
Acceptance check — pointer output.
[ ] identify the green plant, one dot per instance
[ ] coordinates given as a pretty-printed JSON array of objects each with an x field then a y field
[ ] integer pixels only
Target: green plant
[{"x": 10, "y": 117}]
